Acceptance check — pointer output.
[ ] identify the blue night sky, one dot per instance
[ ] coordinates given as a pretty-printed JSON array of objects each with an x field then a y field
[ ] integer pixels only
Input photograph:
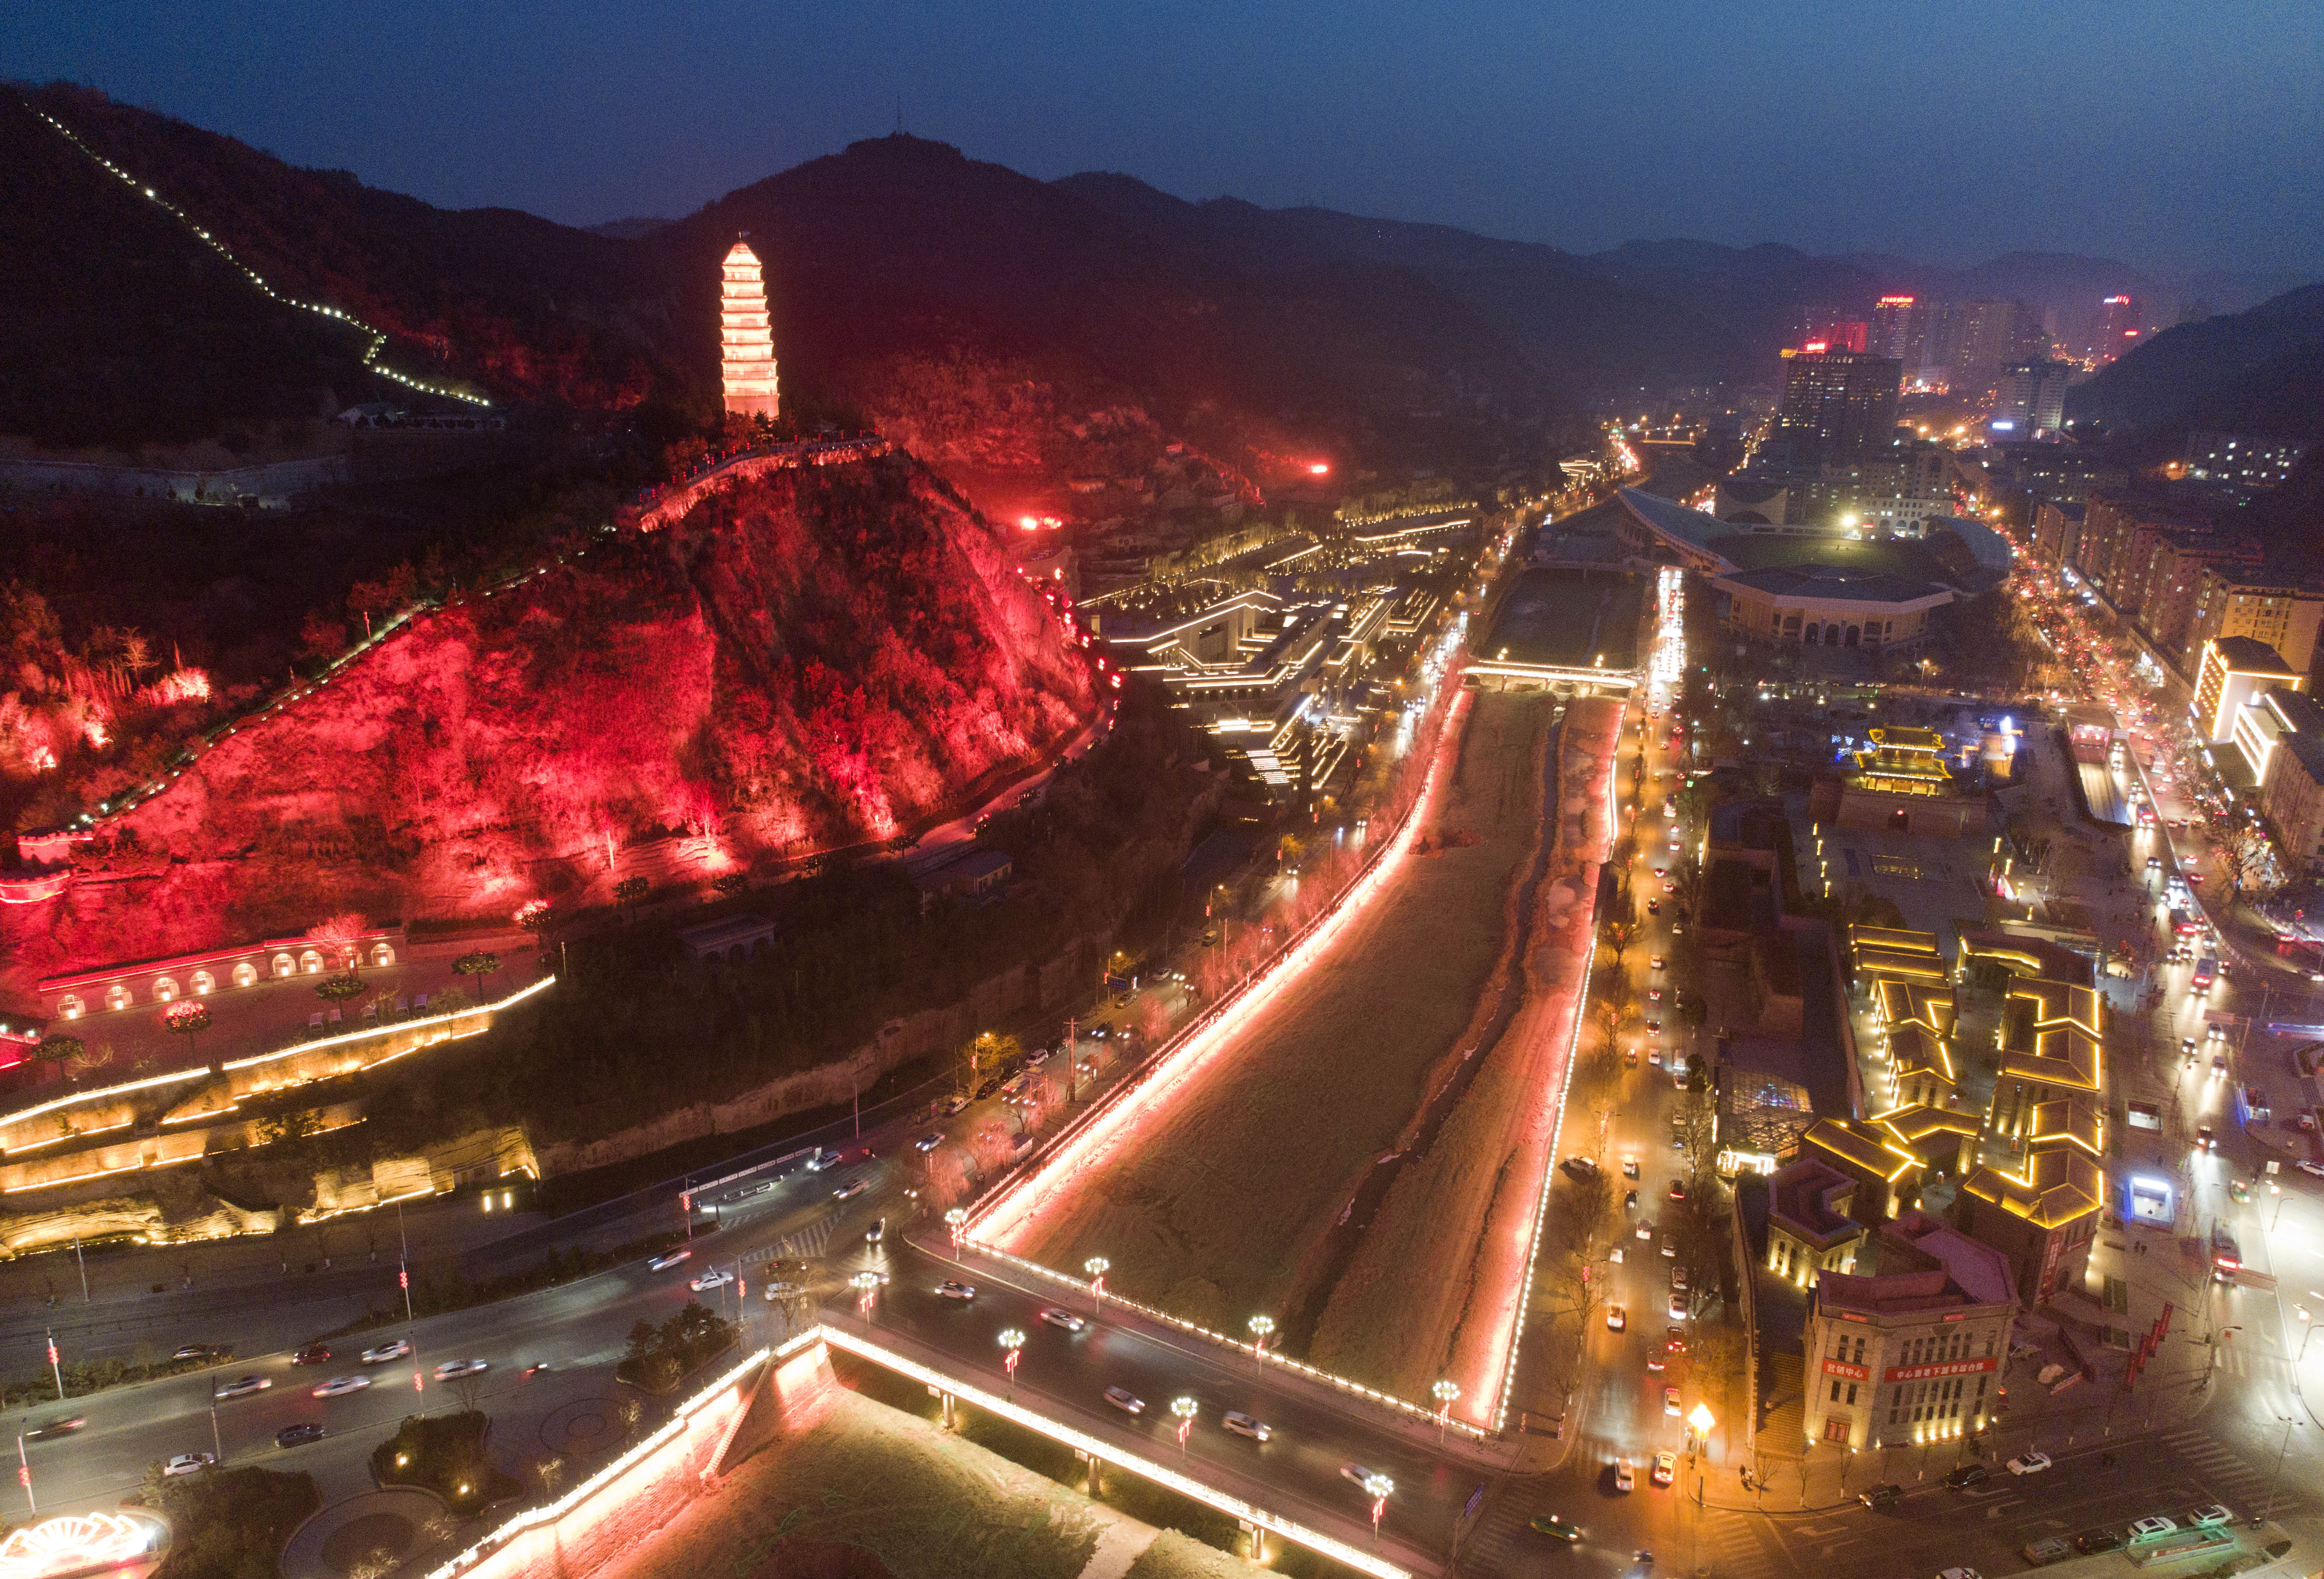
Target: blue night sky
[{"x": 2170, "y": 136}]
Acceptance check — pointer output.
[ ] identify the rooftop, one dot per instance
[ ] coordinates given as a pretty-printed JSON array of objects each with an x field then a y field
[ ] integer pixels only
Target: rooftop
[
  {"x": 1923, "y": 1265},
  {"x": 1817, "y": 580},
  {"x": 2244, "y": 655}
]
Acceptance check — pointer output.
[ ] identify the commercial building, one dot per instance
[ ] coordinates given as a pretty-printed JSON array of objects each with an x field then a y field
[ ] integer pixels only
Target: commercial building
[
  {"x": 2231, "y": 672},
  {"x": 1908, "y": 1345},
  {"x": 2030, "y": 401},
  {"x": 1898, "y": 328},
  {"x": 2231, "y": 600},
  {"x": 2116, "y": 327},
  {"x": 1970, "y": 342},
  {"x": 2278, "y": 737},
  {"x": 1830, "y": 605},
  {"x": 2245, "y": 459},
  {"x": 2044, "y": 1217},
  {"x": 1837, "y": 404},
  {"x": 2056, "y": 530},
  {"x": 1902, "y": 784},
  {"x": 2172, "y": 595}
]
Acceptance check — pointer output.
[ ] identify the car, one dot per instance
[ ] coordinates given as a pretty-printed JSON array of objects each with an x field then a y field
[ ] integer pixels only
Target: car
[
  {"x": 2206, "y": 1517},
  {"x": 1665, "y": 1462},
  {"x": 1654, "y": 1056},
  {"x": 1968, "y": 1475},
  {"x": 2313, "y": 1169},
  {"x": 197, "y": 1351},
  {"x": 312, "y": 1354},
  {"x": 1678, "y": 1305},
  {"x": 1654, "y": 907},
  {"x": 340, "y": 1386},
  {"x": 2049, "y": 1550},
  {"x": 2205, "y": 1139},
  {"x": 709, "y": 1278},
  {"x": 1616, "y": 1318},
  {"x": 188, "y": 1463},
  {"x": 952, "y": 1290},
  {"x": 928, "y": 1143},
  {"x": 954, "y": 1106},
  {"x": 877, "y": 1233},
  {"x": 1654, "y": 995},
  {"x": 1037, "y": 1056},
  {"x": 1678, "y": 1189},
  {"x": 1629, "y": 1200},
  {"x": 1881, "y": 1498},
  {"x": 2091, "y": 1542},
  {"x": 1243, "y": 1425},
  {"x": 1629, "y": 1057},
  {"x": 1653, "y": 1028},
  {"x": 1654, "y": 1360},
  {"x": 1669, "y": 1248},
  {"x": 1959, "y": 1574},
  {"x": 243, "y": 1386},
  {"x": 294, "y": 1435},
  {"x": 47, "y": 1430},
  {"x": 1675, "y": 846},
  {"x": 1056, "y": 1316},
  {"x": 1625, "y": 1475},
  {"x": 452, "y": 1369},
  {"x": 2152, "y": 1527},
  {"x": 1658, "y": 871},
  {"x": 1678, "y": 1143},
  {"x": 848, "y": 1192},
  {"x": 1670, "y": 1400},
  {"x": 1678, "y": 1277},
  {"x": 1629, "y": 1168},
  {"x": 2029, "y": 1463},
  {"x": 1127, "y": 1401},
  {"x": 669, "y": 1259},
  {"x": 1658, "y": 962},
  {"x": 380, "y": 1355},
  {"x": 1550, "y": 1524},
  {"x": 1580, "y": 1166},
  {"x": 1358, "y": 1474},
  {"x": 1646, "y": 1230}
]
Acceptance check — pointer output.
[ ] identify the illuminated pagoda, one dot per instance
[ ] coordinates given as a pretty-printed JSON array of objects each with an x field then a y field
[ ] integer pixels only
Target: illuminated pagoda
[
  {"x": 746, "y": 345},
  {"x": 1902, "y": 784}
]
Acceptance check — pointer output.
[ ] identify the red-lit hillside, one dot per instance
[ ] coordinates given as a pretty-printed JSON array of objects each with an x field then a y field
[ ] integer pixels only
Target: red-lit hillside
[{"x": 817, "y": 659}]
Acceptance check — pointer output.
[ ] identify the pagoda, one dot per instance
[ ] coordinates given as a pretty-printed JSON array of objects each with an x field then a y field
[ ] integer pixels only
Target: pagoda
[
  {"x": 746, "y": 345},
  {"x": 1900, "y": 783}
]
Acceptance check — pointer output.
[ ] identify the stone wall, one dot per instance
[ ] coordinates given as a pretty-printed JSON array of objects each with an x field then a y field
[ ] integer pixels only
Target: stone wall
[{"x": 993, "y": 1002}]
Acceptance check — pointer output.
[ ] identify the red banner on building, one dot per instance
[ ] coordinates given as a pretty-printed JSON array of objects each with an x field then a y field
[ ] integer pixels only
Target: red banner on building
[
  {"x": 1923, "y": 1373},
  {"x": 1842, "y": 1367}
]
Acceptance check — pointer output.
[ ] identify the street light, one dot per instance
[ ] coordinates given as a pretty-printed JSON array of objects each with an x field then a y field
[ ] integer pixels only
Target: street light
[
  {"x": 2301, "y": 1312},
  {"x": 1261, "y": 1326},
  {"x": 1013, "y": 1340},
  {"x": 1185, "y": 1408},
  {"x": 953, "y": 1220},
  {"x": 1378, "y": 1487},
  {"x": 1701, "y": 1420},
  {"x": 1096, "y": 1268},
  {"x": 1444, "y": 1390}
]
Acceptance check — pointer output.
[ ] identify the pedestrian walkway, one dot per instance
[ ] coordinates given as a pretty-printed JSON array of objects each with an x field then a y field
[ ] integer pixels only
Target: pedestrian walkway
[{"x": 2225, "y": 1476}]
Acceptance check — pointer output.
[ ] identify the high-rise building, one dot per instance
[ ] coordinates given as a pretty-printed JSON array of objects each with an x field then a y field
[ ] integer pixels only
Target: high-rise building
[
  {"x": 2244, "y": 458},
  {"x": 1837, "y": 404},
  {"x": 2116, "y": 327},
  {"x": 2030, "y": 399},
  {"x": 1895, "y": 331},
  {"x": 746, "y": 343},
  {"x": 1843, "y": 335},
  {"x": 1985, "y": 338}
]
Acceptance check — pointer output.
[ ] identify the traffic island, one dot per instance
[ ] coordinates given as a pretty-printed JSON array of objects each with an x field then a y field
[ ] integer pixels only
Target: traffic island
[
  {"x": 445, "y": 1455},
  {"x": 367, "y": 1534}
]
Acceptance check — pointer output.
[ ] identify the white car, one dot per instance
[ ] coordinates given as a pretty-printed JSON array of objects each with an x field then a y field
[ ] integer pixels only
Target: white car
[
  {"x": 952, "y": 1290},
  {"x": 1615, "y": 1318},
  {"x": 452, "y": 1369},
  {"x": 849, "y": 1192},
  {"x": 395, "y": 1350},
  {"x": 243, "y": 1386},
  {"x": 1127, "y": 1401},
  {"x": 188, "y": 1463},
  {"x": 709, "y": 1278},
  {"x": 1243, "y": 1425},
  {"x": 1625, "y": 1475},
  {"x": 669, "y": 1259},
  {"x": 2031, "y": 1463},
  {"x": 340, "y": 1386},
  {"x": 928, "y": 1143},
  {"x": 1678, "y": 1308},
  {"x": 2205, "y": 1517},
  {"x": 1058, "y": 1316},
  {"x": 2148, "y": 1528}
]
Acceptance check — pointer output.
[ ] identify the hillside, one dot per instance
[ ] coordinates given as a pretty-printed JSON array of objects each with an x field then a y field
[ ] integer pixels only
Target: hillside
[
  {"x": 817, "y": 659},
  {"x": 2260, "y": 371}
]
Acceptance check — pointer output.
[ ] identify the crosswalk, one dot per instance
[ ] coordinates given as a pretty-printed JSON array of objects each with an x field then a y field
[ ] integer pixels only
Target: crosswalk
[
  {"x": 1735, "y": 1546},
  {"x": 2226, "y": 1476}
]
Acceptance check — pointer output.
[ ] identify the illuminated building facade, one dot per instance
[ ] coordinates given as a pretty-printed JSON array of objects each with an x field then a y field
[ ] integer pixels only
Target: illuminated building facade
[
  {"x": 1902, "y": 784},
  {"x": 2031, "y": 401},
  {"x": 2231, "y": 600},
  {"x": 1897, "y": 330},
  {"x": 2232, "y": 671},
  {"x": 2116, "y": 327},
  {"x": 1837, "y": 404},
  {"x": 2245, "y": 459},
  {"x": 1908, "y": 1347},
  {"x": 746, "y": 345}
]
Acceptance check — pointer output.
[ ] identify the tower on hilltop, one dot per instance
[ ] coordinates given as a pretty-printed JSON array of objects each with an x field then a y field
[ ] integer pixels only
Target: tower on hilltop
[{"x": 746, "y": 345}]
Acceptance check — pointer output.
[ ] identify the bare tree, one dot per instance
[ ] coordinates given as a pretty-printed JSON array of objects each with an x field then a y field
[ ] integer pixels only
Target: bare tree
[{"x": 2244, "y": 857}]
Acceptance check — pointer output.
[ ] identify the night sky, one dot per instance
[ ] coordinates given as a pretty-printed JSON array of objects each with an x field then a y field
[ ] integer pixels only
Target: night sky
[{"x": 2171, "y": 136}]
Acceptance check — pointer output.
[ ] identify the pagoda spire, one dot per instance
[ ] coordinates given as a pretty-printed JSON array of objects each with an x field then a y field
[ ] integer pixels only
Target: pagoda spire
[{"x": 746, "y": 343}]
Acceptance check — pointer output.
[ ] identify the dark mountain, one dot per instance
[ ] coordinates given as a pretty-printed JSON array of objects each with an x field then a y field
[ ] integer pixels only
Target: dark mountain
[
  {"x": 637, "y": 228},
  {"x": 2260, "y": 371}
]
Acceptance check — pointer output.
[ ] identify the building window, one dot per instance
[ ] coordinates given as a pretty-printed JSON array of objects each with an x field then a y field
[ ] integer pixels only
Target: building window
[
  {"x": 204, "y": 984},
  {"x": 311, "y": 962},
  {"x": 284, "y": 966},
  {"x": 382, "y": 955},
  {"x": 1835, "y": 1392},
  {"x": 244, "y": 973},
  {"x": 117, "y": 996},
  {"x": 165, "y": 989},
  {"x": 70, "y": 1006},
  {"x": 1851, "y": 1392}
]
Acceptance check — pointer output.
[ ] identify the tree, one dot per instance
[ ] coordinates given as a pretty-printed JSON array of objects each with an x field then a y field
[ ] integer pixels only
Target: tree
[
  {"x": 535, "y": 915},
  {"x": 1621, "y": 931},
  {"x": 60, "y": 1050},
  {"x": 188, "y": 1018},
  {"x": 321, "y": 637},
  {"x": 628, "y": 891},
  {"x": 342, "y": 935},
  {"x": 2244, "y": 857},
  {"x": 483, "y": 962},
  {"x": 340, "y": 989},
  {"x": 728, "y": 885}
]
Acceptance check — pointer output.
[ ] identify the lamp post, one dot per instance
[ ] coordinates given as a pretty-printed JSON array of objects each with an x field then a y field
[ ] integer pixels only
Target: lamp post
[
  {"x": 954, "y": 1219},
  {"x": 1444, "y": 1390},
  {"x": 1013, "y": 1340},
  {"x": 1261, "y": 1326},
  {"x": 2310, "y": 1322},
  {"x": 1096, "y": 1268},
  {"x": 1379, "y": 1488},
  {"x": 1702, "y": 1420},
  {"x": 1186, "y": 1409}
]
